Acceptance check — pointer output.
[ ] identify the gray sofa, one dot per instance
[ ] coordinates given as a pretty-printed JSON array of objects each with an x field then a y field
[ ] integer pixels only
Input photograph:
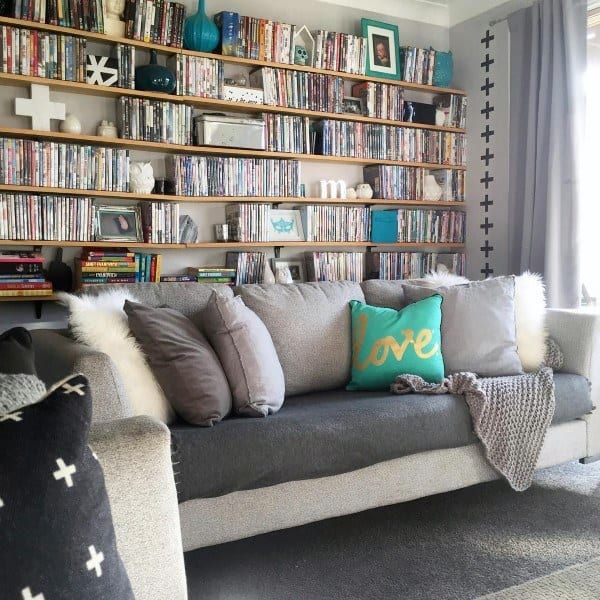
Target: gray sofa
[{"x": 328, "y": 452}]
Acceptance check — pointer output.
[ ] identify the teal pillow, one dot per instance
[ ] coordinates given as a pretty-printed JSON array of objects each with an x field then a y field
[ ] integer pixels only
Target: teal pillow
[{"x": 387, "y": 343}]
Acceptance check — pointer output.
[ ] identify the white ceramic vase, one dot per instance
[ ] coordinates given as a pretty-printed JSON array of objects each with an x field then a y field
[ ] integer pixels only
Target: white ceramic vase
[
  {"x": 71, "y": 124},
  {"x": 351, "y": 193},
  {"x": 364, "y": 191}
]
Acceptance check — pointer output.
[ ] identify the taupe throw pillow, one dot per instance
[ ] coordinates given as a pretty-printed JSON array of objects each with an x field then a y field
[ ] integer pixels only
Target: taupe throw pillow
[
  {"x": 478, "y": 326},
  {"x": 247, "y": 354},
  {"x": 183, "y": 362}
]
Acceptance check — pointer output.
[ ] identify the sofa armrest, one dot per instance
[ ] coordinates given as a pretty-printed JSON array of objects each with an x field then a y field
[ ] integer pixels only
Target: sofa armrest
[
  {"x": 58, "y": 355},
  {"x": 135, "y": 455},
  {"x": 578, "y": 335}
]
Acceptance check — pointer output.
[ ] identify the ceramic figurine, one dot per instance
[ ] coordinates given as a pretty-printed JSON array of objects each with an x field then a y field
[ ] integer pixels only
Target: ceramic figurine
[
  {"x": 440, "y": 117},
  {"x": 199, "y": 32},
  {"x": 432, "y": 191},
  {"x": 154, "y": 77},
  {"x": 351, "y": 193},
  {"x": 300, "y": 55},
  {"x": 107, "y": 129},
  {"x": 364, "y": 191},
  {"x": 322, "y": 189},
  {"x": 283, "y": 275},
  {"x": 267, "y": 274},
  {"x": 141, "y": 178},
  {"x": 409, "y": 112},
  {"x": 112, "y": 20},
  {"x": 331, "y": 189},
  {"x": 70, "y": 124},
  {"x": 341, "y": 189}
]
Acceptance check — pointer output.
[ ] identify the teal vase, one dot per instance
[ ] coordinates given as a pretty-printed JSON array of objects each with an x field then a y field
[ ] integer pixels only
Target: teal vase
[
  {"x": 199, "y": 32},
  {"x": 154, "y": 77}
]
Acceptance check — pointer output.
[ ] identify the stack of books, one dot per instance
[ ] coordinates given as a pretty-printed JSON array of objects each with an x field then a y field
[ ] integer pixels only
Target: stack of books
[
  {"x": 412, "y": 265},
  {"x": 340, "y": 52},
  {"x": 249, "y": 266},
  {"x": 87, "y": 15},
  {"x": 287, "y": 133},
  {"x": 22, "y": 274},
  {"x": 380, "y": 100},
  {"x": 160, "y": 222},
  {"x": 197, "y": 76},
  {"x": 417, "y": 64},
  {"x": 156, "y": 21},
  {"x": 96, "y": 267},
  {"x": 327, "y": 223},
  {"x": 216, "y": 274},
  {"x": 335, "y": 266}
]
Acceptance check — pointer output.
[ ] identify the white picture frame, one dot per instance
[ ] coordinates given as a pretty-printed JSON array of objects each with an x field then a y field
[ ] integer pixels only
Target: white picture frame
[{"x": 285, "y": 225}]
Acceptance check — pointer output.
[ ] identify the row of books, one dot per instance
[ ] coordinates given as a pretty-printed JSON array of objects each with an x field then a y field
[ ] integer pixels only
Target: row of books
[
  {"x": 417, "y": 64},
  {"x": 340, "y": 52},
  {"x": 335, "y": 266},
  {"x": 249, "y": 266},
  {"x": 125, "y": 54},
  {"x": 216, "y": 274},
  {"x": 413, "y": 265},
  {"x": 248, "y": 222},
  {"x": 298, "y": 89},
  {"x": 380, "y": 100},
  {"x": 287, "y": 133},
  {"x": 42, "y": 54},
  {"x": 232, "y": 176},
  {"x": 54, "y": 164},
  {"x": 327, "y": 223},
  {"x": 431, "y": 226},
  {"x": 156, "y": 21},
  {"x": 455, "y": 107},
  {"x": 160, "y": 222},
  {"x": 197, "y": 76},
  {"x": 87, "y": 15},
  {"x": 388, "y": 142},
  {"x": 154, "y": 121},
  {"x": 33, "y": 217},
  {"x": 22, "y": 274},
  {"x": 394, "y": 182},
  {"x": 96, "y": 267},
  {"x": 255, "y": 38}
]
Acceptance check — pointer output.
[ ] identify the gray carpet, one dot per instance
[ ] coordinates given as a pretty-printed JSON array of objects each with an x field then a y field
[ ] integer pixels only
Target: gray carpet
[{"x": 459, "y": 545}]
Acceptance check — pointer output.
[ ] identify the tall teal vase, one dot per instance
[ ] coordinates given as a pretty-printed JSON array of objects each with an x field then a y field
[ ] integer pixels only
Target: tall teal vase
[{"x": 199, "y": 32}]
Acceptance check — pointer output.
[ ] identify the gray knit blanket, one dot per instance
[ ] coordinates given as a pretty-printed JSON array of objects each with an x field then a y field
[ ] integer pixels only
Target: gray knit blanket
[
  {"x": 19, "y": 390},
  {"x": 510, "y": 414}
]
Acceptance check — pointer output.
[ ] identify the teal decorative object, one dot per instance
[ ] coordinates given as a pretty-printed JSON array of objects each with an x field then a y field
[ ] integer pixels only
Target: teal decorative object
[
  {"x": 387, "y": 343},
  {"x": 443, "y": 69},
  {"x": 154, "y": 77},
  {"x": 199, "y": 32}
]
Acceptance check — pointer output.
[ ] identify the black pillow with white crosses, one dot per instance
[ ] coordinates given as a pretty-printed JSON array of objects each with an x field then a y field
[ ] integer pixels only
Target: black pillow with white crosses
[{"x": 58, "y": 539}]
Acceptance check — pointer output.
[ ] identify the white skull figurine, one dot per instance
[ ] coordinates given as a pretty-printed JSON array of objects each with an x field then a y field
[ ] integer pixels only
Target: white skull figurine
[
  {"x": 364, "y": 191},
  {"x": 141, "y": 178}
]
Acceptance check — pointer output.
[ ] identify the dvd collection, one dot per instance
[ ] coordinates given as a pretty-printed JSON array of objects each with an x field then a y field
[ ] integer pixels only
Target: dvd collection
[
  {"x": 232, "y": 176},
  {"x": 412, "y": 265},
  {"x": 125, "y": 54},
  {"x": 431, "y": 226},
  {"x": 248, "y": 266},
  {"x": 156, "y": 21},
  {"x": 32, "y": 217},
  {"x": 417, "y": 64},
  {"x": 22, "y": 274},
  {"x": 97, "y": 267},
  {"x": 456, "y": 108},
  {"x": 42, "y": 54},
  {"x": 335, "y": 266},
  {"x": 248, "y": 222},
  {"x": 53, "y": 164},
  {"x": 154, "y": 121},
  {"x": 258, "y": 39},
  {"x": 380, "y": 100},
  {"x": 340, "y": 52},
  {"x": 88, "y": 15},
  {"x": 452, "y": 183},
  {"x": 160, "y": 222},
  {"x": 287, "y": 133},
  {"x": 197, "y": 76},
  {"x": 298, "y": 89},
  {"x": 388, "y": 142},
  {"x": 327, "y": 223}
]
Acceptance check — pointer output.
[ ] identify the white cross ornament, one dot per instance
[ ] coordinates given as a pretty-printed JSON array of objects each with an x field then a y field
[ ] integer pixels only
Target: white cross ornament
[
  {"x": 39, "y": 108},
  {"x": 16, "y": 417},
  {"x": 97, "y": 558},
  {"x": 64, "y": 472},
  {"x": 27, "y": 595},
  {"x": 67, "y": 388}
]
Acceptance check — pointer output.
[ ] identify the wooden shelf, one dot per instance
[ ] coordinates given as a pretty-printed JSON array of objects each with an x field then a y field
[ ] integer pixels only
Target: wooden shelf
[
  {"x": 226, "y": 59},
  {"x": 58, "y": 136},
  {"x": 61, "y": 244}
]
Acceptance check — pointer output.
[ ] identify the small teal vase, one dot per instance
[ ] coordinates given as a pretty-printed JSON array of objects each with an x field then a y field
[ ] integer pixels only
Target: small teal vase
[
  {"x": 199, "y": 32},
  {"x": 154, "y": 77}
]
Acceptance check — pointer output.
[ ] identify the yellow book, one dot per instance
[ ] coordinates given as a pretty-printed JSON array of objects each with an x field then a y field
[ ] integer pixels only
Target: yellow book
[{"x": 21, "y": 293}]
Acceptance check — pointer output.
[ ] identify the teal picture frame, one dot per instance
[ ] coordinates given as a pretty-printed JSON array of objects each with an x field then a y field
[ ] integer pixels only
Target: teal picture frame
[{"x": 383, "y": 49}]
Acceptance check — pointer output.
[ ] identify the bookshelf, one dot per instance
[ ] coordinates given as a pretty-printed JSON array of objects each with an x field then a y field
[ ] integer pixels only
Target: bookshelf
[{"x": 9, "y": 79}]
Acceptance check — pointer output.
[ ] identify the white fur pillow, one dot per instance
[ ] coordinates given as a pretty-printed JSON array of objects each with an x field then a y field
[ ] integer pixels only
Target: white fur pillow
[{"x": 100, "y": 323}]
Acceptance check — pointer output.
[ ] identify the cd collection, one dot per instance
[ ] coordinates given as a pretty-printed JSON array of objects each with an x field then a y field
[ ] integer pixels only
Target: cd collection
[
  {"x": 197, "y": 76},
  {"x": 249, "y": 266},
  {"x": 431, "y": 226},
  {"x": 335, "y": 266},
  {"x": 380, "y": 100},
  {"x": 248, "y": 222},
  {"x": 156, "y": 21},
  {"x": 417, "y": 64},
  {"x": 87, "y": 15},
  {"x": 125, "y": 54},
  {"x": 160, "y": 222},
  {"x": 413, "y": 265},
  {"x": 287, "y": 133},
  {"x": 340, "y": 52},
  {"x": 456, "y": 108},
  {"x": 327, "y": 223},
  {"x": 452, "y": 183}
]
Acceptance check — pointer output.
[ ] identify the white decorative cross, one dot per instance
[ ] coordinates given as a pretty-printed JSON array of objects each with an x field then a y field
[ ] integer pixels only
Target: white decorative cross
[
  {"x": 27, "y": 595},
  {"x": 16, "y": 416},
  {"x": 39, "y": 108},
  {"x": 69, "y": 389},
  {"x": 64, "y": 472},
  {"x": 97, "y": 558}
]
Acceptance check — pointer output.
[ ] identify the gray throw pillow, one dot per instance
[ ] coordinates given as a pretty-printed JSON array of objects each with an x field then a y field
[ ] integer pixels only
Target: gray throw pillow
[
  {"x": 247, "y": 354},
  {"x": 478, "y": 326},
  {"x": 183, "y": 362}
]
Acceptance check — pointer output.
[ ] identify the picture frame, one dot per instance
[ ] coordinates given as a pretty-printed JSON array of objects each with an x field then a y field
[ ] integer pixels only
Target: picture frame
[
  {"x": 383, "y": 49},
  {"x": 285, "y": 225},
  {"x": 353, "y": 106},
  {"x": 296, "y": 266},
  {"x": 118, "y": 223}
]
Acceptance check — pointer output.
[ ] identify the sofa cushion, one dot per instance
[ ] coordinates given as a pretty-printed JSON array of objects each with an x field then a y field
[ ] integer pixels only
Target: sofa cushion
[
  {"x": 16, "y": 352},
  {"x": 329, "y": 433},
  {"x": 310, "y": 327},
  {"x": 384, "y": 293}
]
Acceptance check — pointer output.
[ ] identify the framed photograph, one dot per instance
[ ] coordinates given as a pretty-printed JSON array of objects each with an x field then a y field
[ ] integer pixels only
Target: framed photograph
[
  {"x": 352, "y": 105},
  {"x": 118, "y": 224},
  {"x": 297, "y": 268},
  {"x": 285, "y": 226},
  {"x": 383, "y": 49}
]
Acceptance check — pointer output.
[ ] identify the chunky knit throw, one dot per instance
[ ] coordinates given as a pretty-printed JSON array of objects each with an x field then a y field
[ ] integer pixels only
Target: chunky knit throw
[
  {"x": 510, "y": 414},
  {"x": 19, "y": 390}
]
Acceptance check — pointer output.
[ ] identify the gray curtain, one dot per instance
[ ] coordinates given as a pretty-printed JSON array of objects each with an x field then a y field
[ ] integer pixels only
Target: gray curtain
[{"x": 547, "y": 63}]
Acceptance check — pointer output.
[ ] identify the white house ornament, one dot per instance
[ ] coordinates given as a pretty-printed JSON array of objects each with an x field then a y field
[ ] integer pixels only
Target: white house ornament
[{"x": 39, "y": 108}]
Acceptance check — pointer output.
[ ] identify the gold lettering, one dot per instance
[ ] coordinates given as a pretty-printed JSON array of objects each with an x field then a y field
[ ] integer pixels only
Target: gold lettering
[{"x": 423, "y": 339}]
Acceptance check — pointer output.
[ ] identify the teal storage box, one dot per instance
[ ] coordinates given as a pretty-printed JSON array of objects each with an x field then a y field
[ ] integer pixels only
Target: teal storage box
[{"x": 384, "y": 226}]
